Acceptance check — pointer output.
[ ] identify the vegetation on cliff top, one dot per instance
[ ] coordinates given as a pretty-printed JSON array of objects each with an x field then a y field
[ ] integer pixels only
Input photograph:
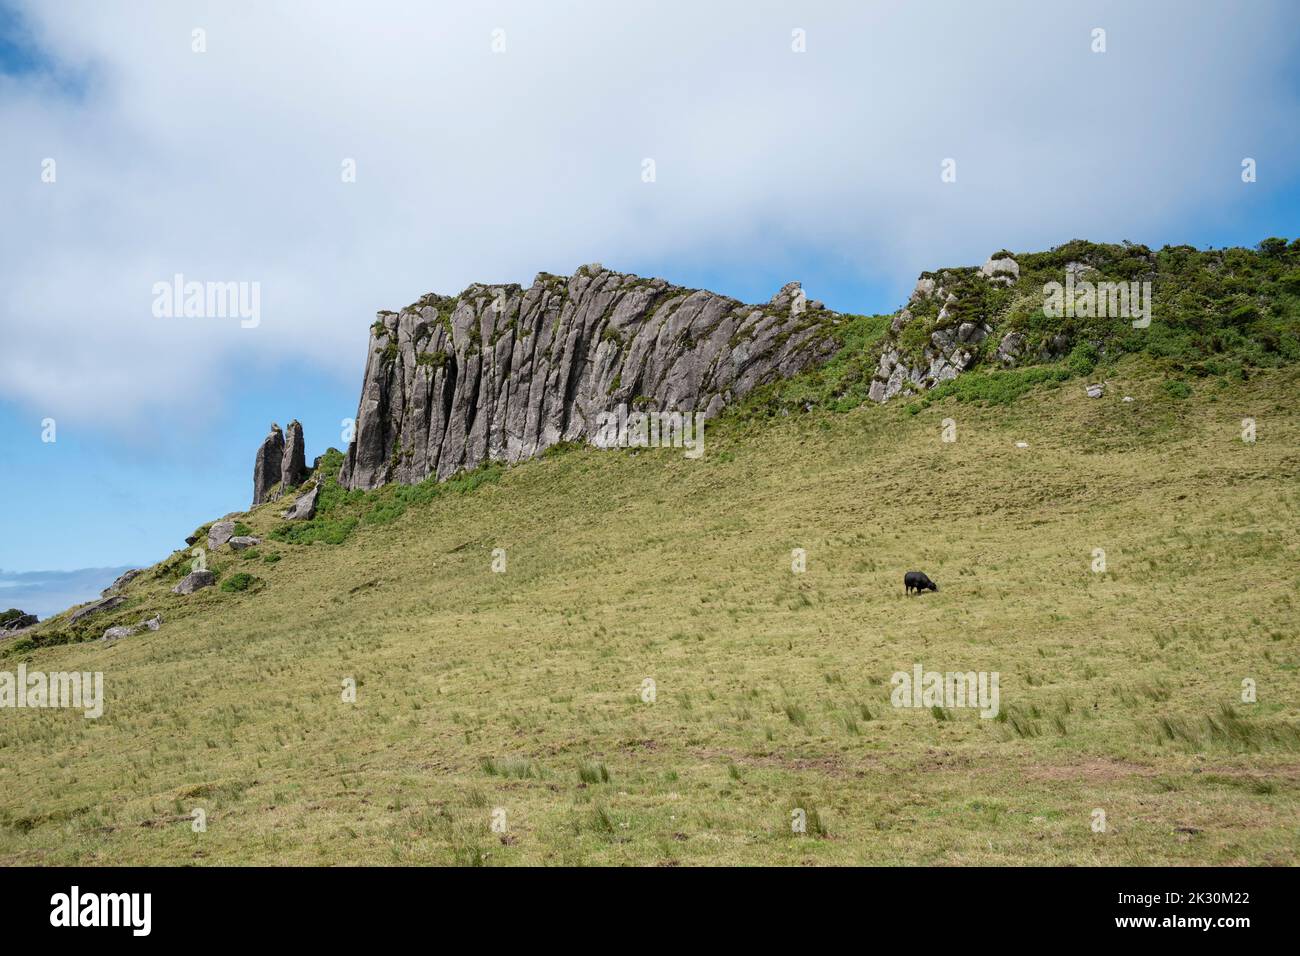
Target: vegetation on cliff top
[{"x": 1214, "y": 311}]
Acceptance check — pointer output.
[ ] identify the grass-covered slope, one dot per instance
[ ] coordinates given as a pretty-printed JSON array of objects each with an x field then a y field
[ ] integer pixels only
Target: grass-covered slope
[{"x": 521, "y": 691}]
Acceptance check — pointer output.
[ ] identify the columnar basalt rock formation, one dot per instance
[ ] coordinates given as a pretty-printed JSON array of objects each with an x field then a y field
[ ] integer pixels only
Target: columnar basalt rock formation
[
  {"x": 500, "y": 373},
  {"x": 267, "y": 466},
  {"x": 293, "y": 464}
]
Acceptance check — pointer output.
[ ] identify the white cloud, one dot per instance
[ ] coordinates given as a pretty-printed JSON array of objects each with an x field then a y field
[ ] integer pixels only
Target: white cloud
[{"x": 472, "y": 165}]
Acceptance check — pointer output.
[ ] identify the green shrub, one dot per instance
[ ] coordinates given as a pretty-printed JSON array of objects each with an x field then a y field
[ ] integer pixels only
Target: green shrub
[
  {"x": 35, "y": 642},
  {"x": 1083, "y": 359},
  {"x": 241, "y": 581},
  {"x": 12, "y": 614},
  {"x": 435, "y": 360},
  {"x": 995, "y": 387}
]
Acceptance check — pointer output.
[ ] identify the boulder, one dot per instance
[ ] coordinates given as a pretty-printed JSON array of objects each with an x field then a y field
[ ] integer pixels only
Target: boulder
[
  {"x": 1005, "y": 270},
  {"x": 117, "y": 633},
  {"x": 1095, "y": 391},
  {"x": 195, "y": 581},
  {"x": 240, "y": 542},
  {"x": 220, "y": 533},
  {"x": 96, "y": 607},
  {"x": 305, "y": 507},
  {"x": 122, "y": 581},
  {"x": 267, "y": 465},
  {"x": 293, "y": 464}
]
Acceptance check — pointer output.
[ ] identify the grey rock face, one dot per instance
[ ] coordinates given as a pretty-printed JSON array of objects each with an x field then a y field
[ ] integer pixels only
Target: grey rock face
[
  {"x": 305, "y": 507},
  {"x": 1010, "y": 348},
  {"x": 500, "y": 373},
  {"x": 293, "y": 464},
  {"x": 947, "y": 356},
  {"x": 244, "y": 541},
  {"x": 267, "y": 465},
  {"x": 219, "y": 534},
  {"x": 195, "y": 581},
  {"x": 122, "y": 581},
  {"x": 95, "y": 607}
]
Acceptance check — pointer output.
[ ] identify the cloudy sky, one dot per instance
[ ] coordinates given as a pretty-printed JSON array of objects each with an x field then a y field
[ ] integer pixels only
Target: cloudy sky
[{"x": 491, "y": 141}]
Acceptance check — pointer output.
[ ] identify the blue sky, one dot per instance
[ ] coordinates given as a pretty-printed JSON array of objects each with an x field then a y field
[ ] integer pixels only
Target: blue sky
[{"x": 483, "y": 164}]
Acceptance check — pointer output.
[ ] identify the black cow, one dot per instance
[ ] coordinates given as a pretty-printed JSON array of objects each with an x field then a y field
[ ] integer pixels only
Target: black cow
[{"x": 918, "y": 582}]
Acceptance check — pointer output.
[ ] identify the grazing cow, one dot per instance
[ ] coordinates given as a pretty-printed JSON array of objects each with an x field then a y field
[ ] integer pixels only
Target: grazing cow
[{"x": 918, "y": 582}]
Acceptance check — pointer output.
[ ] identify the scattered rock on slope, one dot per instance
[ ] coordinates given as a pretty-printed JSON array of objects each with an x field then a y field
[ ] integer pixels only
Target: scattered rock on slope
[
  {"x": 96, "y": 607},
  {"x": 117, "y": 633},
  {"x": 267, "y": 466},
  {"x": 195, "y": 581},
  {"x": 240, "y": 542},
  {"x": 122, "y": 581},
  {"x": 220, "y": 533},
  {"x": 305, "y": 507}
]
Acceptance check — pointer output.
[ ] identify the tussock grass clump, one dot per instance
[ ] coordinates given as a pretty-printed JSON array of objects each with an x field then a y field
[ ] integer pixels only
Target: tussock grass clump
[
  {"x": 591, "y": 772},
  {"x": 1230, "y": 730},
  {"x": 805, "y": 820},
  {"x": 516, "y": 767}
]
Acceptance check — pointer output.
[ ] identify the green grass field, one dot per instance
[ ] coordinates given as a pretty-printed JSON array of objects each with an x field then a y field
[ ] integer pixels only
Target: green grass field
[{"x": 520, "y": 693}]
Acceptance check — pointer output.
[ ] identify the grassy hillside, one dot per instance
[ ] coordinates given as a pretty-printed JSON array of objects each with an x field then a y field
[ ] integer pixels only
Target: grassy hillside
[{"x": 521, "y": 690}]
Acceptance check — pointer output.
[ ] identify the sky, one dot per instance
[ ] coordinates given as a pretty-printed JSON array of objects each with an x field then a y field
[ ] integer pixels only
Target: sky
[{"x": 491, "y": 141}]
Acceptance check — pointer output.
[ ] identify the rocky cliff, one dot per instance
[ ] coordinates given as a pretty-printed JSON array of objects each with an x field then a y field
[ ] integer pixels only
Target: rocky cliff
[
  {"x": 500, "y": 373},
  {"x": 956, "y": 331}
]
